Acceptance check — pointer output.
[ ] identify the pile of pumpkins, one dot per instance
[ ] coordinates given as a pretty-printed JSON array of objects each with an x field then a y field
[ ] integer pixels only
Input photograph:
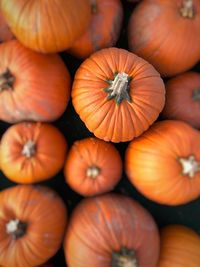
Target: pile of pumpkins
[{"x": 145, "y": 95}]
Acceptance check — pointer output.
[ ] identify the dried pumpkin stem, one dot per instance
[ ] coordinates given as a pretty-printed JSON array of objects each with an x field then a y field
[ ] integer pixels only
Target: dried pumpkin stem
[
  {"x": 94, "y": 6},
  {"x": 93, "y": 172},
  {"x": 190, "y": 166},
  {"x": 16, "y": 228},
  {"x": 124, "y": 258},
  {"x": 6, "y": 80},
  {"x": 187, "y": 9},
  {"x": 196, "y": 94},
  {"x": 29, "y": 149}
]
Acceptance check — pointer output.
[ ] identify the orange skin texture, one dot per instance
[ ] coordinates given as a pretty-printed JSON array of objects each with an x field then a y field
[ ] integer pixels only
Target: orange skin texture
[
  {"x": 92, "y": 152},
  {"x": 46, "y": 217},
  {"x": 49, "y": 157},
  {"x": 5, "y": 33},
  {"x": 42, "y": 84},
  {"x": 103, "y": 30},
  {"x": 47, "y": 26},
  {"x": 104, "y": 224},
  {"x": 105, "y": 118},
  {"x": 158, "y": 33},
  {"x": 180, "y": 104},
  {"x": 179, "y": 247},
  {"x": 152, "y": 163}
]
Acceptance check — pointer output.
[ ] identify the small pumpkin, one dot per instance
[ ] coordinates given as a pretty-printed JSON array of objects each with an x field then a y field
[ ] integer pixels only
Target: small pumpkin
[
  {"x": 117, "y": 94},
  {"x": 32, "y": 152},
  {"x": 166, "y": 34},
  {"x": 92, "y": 167},
  {"x": 47, "y": 26},
  {"x": 32, "y": 86},
  {"x": 32, "y": 225},
  {"x": 179, "y": 247},
  {"x": 5, "y": 33},
  {"x": 183, "y": 98},
  {"x": 164, "y": 163},
  {"x": 111, "y": 230},
  {"x": 103, "y": 30}
]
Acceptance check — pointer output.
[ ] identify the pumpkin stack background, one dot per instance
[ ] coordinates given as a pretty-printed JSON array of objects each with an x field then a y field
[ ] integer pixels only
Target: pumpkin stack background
[{"x": 99, "y": 123}]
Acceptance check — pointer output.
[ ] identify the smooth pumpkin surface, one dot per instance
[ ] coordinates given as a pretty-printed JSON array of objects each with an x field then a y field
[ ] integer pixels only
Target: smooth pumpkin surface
[
  {"x": 179, "y": 247},
  {"x": 111, "y": 230},
  {"x": 103, "y": 30},
  {"x": 32, "y": 225},
  {"x": 32, "y": 152},
  {"x": 166, "y": 34},
  {"x": 92, "y": 167},
  {"x": 32, "y": 86},
  {"x": 47, "y": 26},
  {"x": 117, "y": 94},
  {"x": 164, "y": 163},
  {"x": 183, "y": 98},
  {"x": 5, "y": 33}
]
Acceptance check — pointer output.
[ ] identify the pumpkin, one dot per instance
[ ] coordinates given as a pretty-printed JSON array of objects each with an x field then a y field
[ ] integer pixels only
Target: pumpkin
[
  {"x": 32, "y": 152},
  {"x": 104, "y": 28},
  {"x": 183, "y": 98},
  {"x": 166, "y": 34},
  {"x": 32, "y": 225},
  {"x": 92, "y": 167},
  {"x": 164, "y": 163},
  {"x": 47, "y": 26},
  {"x": 111, "y": 230},
  {"x": 117, "y": 94},
  {"x": 179, "y": 247},
  {"x": 5, "y": 33},
  {"x": 32, "y": 86}
]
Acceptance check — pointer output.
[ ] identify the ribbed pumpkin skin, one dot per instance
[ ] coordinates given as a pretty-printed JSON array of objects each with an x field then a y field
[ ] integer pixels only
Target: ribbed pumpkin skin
[
  {"x": 92, "y": 152},
  {"x": 102, "y": 225},
  {"x": 103, "y": 30},
  {"x": 45, "y": 215},
  {"x": 158, "y": 33},
  {"x": 5, "y": 33},
  {"x": 41, "y": 87},
  {"x": 105, "y": 118},
  {"x": 180, "y": 102},
  {"x": 152, "y": 163},
  {"x": 47, "y": 26},
  {"x": 179, "y": 247},
  {"x": 48, "y": 159}
]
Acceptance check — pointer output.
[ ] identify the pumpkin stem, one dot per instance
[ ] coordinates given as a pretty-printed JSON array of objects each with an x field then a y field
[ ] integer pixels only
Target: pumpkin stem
[
  {"x": 124, "y": 258},
  {"x": 16, "y": 228},
  {"x": 119, "y": 88},
  {"x": 6, "y": 80},
  {"x": 196, "y": 94},
  {"x": 93, "y": 172},
  {"x": 29, "y": 149},
  {"x": 187, "y": 9},
  {"x": 190, "y": 166},
  {"x": 94, "y": 6}
]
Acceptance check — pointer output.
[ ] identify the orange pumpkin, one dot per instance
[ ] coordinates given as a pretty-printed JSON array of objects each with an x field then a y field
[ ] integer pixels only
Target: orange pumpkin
[
  {"x": 164, "y": 163},
  {"x": 47, "y": 26},
  {"x": 32, "y": 86},
  {"x": 32, "y": 152},
  {"x": 5, "y": 33},
  {"x": 166, "y": 34},
  {"x": 104, "y": 28},
  {"x": 183, "y": 98},
  {"x": 179, "y": 247},
  {"x": 111, "y": 230},
  {"x": 117, "y": 94},
  {"x": 32, "y": 225},
  {"x": 92, "y": 167}
]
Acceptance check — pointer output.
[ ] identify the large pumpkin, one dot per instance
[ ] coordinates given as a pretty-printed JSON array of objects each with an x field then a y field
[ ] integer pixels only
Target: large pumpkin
[
  {"x": 5, "y": 33},
  {"x": 111, "y": 230},
  {"x": 183, "y": 98},
  {"x": 47, "y": 26},
  {"x": 166, "y": 34},
  {"x": 32, "y": 86},
  {"x": 93, "y": 167},
  {"x": 179, "y": 247},
  {"x": 164, "y": 163},
  {"x": 117, "y": 94},
  {"x": 32, "y": 152},
  {"x": 103, "y": 30},
  {"x": 32, "y": 225}
]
